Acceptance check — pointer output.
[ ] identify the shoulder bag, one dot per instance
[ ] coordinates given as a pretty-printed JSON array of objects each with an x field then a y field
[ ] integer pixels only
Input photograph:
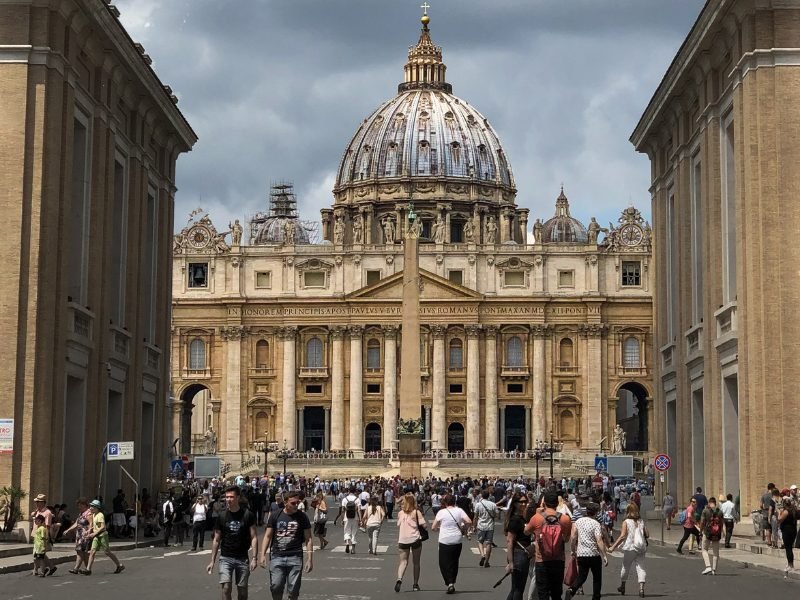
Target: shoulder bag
[{"x": 423, "y": 531}]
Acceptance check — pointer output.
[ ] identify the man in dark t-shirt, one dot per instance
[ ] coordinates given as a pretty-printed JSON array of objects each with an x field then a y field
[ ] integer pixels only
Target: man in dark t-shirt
[
  {"x": 234, "y": 536},
  {"x": 287, "y": 531}
]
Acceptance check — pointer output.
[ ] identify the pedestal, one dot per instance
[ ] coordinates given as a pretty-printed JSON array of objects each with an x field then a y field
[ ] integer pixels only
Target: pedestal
[{"x": 410, "y": 453}]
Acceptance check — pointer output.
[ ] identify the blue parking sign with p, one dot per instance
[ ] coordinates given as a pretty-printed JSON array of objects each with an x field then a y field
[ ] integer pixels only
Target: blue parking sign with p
[{"x": 113, "y": 449}]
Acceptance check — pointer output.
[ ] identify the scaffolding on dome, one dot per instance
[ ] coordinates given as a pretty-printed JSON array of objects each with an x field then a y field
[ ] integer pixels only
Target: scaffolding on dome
[{"x": 282, "y": 206}]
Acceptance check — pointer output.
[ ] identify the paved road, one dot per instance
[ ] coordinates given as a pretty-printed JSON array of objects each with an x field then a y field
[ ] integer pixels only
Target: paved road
[{"x": 175, "y": 573}]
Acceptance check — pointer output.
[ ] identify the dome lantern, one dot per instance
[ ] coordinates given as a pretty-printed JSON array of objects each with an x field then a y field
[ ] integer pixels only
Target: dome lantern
[
  {"x": 425, "y": 69},
  {"x": 563, "y": 227}
]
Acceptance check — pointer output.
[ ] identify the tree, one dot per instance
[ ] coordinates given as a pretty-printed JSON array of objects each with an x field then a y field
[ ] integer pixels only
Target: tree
[{"x": 10, "y": 511}]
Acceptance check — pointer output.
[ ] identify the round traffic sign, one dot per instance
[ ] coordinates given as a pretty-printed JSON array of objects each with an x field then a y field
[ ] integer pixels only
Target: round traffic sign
[{"x": 662, "y": 462}]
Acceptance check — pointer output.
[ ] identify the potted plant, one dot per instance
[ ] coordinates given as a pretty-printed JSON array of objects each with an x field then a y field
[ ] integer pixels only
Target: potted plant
[{"x": 10, "y": 512}]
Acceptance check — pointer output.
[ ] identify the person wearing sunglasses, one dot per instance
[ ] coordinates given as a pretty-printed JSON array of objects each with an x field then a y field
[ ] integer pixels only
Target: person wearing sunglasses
[
  {"x": 517, "y": 545},
  {"x": 287, "y": 531}
]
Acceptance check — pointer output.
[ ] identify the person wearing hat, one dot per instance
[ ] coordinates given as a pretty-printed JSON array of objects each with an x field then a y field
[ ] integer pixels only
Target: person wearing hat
[
  {"x": 41, "y": 509},
  {"x": 99, "y": 537}
]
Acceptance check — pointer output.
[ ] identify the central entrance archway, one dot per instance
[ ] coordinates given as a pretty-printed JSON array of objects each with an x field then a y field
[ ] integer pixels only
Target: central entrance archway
[
  {"x": 191, "y": 426},
  {"x": 514, "y": 437},
  {"x": 455, "y": 437},
  {"x": 632, "y": 416},
  {"x": 313, "y": 428},
  {"x": 372, "y": 438}
]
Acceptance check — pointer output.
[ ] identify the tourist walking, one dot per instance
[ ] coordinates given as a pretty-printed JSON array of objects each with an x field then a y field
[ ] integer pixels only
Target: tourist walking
[
  {"x": 99, "y": 537},
  {"x": 549, "y": 531},
  {"x": 40, "y": 538},
  {"x": 633, "y": 539},
  {"x": 452, "y": 523},
  {"x": 320, "y": 506},
  {"x": 485, "y": 515},
  {"x": 729, "y": 516},
  {"x": 787, "y": 521},
  {"x": 40, "y": 508},
  {"x": 668, "y": 509},
  {"x": 711, "y": 526},
  {"x": 518, "y": 561},
  {"x": 411, "y": 529},
  {"x": 388, "y": 501},
  {"x": 287, "y": 531},
  {"x": 371, "y": 520},
  {"x": 199, "y": 513},
  {"x": 235, "y": 538},
  {"x": 590, "y": 548},
  {"x": 81, "y": 527},
  {"x": 167, "y": 518},
  {"x": 689, "y": 527},
  {"x": 349, "y": 508}
]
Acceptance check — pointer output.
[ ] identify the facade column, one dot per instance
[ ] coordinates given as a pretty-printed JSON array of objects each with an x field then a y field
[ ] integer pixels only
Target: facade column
[
  {"x": 490, "y": 436},
  {"x": 356, "y": 441},
  {"x": 439, "y": 417},
  {"x": 326, "y": 444},
  {"x": 473, "y": 441},
  {"x": 336, "y": 441},
  {"x": 594, "y": 404},
  {"x": 289, "y": 401},
  {"x": 234, "y": 440},
  {"x": 540, "y": 332},
  {"x": 389, "y": 429}
]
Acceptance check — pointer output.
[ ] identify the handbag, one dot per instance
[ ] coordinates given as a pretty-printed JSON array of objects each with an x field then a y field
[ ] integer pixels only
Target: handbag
[
  {"x": 423, "y": 531},
  {"x": 571, "y": 572}
]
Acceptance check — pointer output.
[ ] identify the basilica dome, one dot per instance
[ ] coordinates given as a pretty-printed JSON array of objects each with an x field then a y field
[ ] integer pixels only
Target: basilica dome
[
  {"x": 563, "y": 227},
  {"x": 425, "y": 131}
]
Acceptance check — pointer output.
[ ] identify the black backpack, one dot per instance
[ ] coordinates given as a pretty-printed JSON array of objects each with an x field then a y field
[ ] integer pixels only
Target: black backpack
[
  {"x": 350, "y": 509},
  {"x": 166, "y": 513}
]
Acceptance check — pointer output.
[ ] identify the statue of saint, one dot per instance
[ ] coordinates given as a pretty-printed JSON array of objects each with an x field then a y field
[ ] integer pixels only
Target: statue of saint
[
  {"x": 618, "y": 440},
  {"x": 388, "y": 231},
  {"x": 236, "y": 232},
  {"x": 438, "y": 230},
  {"x": 594, "y": 229},
  {"x": 338, "y": 231},
  {"x": 537, "y": 232},
  {"x": 469, "y": 232},
  {"x": 415, "y": 230},
  {"x": 358, "y": 229},
  {"x": 211, "y": 440},
  {"x": 491, "y": 230},
  {"x": 289, "y": 232}
]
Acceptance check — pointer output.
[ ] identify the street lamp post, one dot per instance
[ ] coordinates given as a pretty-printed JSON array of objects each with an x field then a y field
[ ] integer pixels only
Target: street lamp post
[{"x": 547, "y": 448}]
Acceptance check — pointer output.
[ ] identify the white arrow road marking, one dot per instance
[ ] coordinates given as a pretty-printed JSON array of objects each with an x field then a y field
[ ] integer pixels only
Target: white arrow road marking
[
  {"x": 340, "y": 579},
  {"x": 176, "y": 553}
]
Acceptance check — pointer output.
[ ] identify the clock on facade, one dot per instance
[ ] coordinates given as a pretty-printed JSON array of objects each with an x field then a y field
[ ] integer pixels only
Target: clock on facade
[
  {"x": 631, "y": 235},
  {"x": 198, "y": 237}
]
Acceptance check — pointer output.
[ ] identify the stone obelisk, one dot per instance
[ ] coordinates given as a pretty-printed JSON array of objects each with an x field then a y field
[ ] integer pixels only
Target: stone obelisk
[{"x": 410, "y": 429}]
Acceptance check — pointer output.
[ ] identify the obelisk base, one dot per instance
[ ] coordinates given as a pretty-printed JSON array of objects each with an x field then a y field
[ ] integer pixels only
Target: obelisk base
[{"x": 410, "y": 452}]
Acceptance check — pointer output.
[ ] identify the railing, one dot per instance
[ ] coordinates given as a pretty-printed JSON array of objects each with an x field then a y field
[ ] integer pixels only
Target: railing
[
  {"x": 152, "y": 356},
  {"x": 623, "y": 370},
  {"x": 196, "y": 373},
  {"x": 726, "y": 319},
  {"x": 374, "y": 370},
  {"x": 313, "y": 372},
  {"x": 514, "y": 371},
  {"x": 694, "y": 340},
  {"x": 121, "y": 340},
  {"x": 265, "y": 371},
  {"x": 667, "y": 356},
  {"x": 81, "y": 320},
  {"x": 566, "y": 369},
  {"x": 456, "y": 370}
]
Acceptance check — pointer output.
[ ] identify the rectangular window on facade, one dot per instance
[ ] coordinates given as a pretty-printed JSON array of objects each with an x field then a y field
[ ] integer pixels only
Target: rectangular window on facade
[
  {"x": 514, "y": 279},
  {"x": 314, "y": 279},
  {"x": 198, "y": 275},
  {"x": 566, "y": 279},
  {"x": 373, "y": 388},
  {"x": 456, "y": 276},
  {"x": 515, "y": 388},
  {"x": 264, "y": 279},
  {"x": 456, "y": 388},
  {"x": 631, "y": 273},
  {"x": 373, "y": 277},
  {"x": 314, "y": 388}
]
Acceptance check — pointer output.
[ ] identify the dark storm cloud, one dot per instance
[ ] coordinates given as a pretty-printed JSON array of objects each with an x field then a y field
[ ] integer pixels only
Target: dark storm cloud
[{"x": 276, "y": 88}]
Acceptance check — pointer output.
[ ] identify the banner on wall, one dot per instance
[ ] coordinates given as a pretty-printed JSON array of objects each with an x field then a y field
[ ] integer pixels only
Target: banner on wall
[{"x": 6, "y": 436}]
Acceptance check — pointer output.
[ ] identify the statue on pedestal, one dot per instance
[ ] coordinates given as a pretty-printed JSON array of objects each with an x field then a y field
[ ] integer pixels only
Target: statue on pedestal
[
  {"x": 618, "y": 440},
  {"x": 358, "y": 229},
  {"x": 236, "y": 232},
  {"x": 537, "y": 232},
  {"x": 211, "y": 440},
  {"x": 388, "y": 231},
  {"x": 438, "y": 230},
  {"x": 338, "y": 231},
  {"x": 491, "y": 230},
  {"x": 469, "y": 232}
]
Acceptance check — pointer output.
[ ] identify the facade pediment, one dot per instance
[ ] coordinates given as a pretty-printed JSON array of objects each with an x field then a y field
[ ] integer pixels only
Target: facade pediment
[{"x": 433, "y": 287}]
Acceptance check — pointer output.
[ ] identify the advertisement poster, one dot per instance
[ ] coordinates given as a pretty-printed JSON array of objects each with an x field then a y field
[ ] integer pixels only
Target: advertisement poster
[{"x": 6, "y": 436}]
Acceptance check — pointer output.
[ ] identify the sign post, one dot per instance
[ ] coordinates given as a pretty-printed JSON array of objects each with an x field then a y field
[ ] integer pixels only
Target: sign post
[
  {"x": 662, "y": 463},
  {"x": 119, "y": 451},
  {"x": 135, "y": 505}
]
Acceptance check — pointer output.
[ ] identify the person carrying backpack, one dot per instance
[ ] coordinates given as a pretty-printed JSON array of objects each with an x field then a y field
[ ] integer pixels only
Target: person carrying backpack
[
  {"x": 349, "y": 508},
  {"x": 549, "y": 530},
  {"x": 633, "y": 539},
  {"x": 167, "y": 518},
  {"x": 711, "y": 524}
]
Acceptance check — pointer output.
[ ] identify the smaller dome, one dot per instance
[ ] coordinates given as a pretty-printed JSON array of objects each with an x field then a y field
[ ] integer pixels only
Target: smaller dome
[
  {"x": 273, "y": 231},
  {"x": 563, "y": 228}
]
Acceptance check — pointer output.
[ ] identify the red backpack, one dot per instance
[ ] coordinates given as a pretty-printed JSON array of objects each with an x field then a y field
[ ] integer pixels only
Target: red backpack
[
  {"x": 715, "y": 527},
  {"x": 551, "y": 539}
]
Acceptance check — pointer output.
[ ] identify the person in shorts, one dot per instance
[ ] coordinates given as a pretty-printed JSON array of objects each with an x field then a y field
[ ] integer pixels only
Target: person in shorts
[
  {"x": 39, "y": 546},
  {"x": 234, "y": 536},
  {"x": 485, "y": 515},
  {"x": 287, "y": 532},
  {"x": 99, "y": 539}
]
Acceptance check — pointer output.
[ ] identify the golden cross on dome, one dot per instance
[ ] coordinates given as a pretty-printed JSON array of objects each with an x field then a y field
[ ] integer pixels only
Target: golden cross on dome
[{"x": 425, "y": 6}]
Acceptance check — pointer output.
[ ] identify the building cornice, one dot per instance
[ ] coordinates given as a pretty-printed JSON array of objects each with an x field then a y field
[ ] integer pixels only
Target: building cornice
[{"x": 764, "y": 59}]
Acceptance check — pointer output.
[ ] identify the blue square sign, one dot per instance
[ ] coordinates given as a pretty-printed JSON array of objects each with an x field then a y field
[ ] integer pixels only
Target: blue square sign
[
  {"x": 113, "y": 449},
  {"x": 600, "y": 463}
]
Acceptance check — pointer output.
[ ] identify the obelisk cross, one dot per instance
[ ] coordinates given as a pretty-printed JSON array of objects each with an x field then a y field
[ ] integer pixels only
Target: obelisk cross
[{"x": 425, "y": 6}]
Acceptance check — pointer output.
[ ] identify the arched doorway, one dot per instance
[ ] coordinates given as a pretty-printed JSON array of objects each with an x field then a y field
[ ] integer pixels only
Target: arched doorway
[
  {"x": 191, "y": 425},
  {"x": 313, "y": 428},
  {"x": 632, "y": 416},
  {"x": 455, "y": 437},
  {"x": 372, "y": 438},
  {"x": 514, "y": 435}
]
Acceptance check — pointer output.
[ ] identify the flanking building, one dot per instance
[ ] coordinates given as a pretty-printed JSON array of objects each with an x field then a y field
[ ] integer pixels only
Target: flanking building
[
  {"x": 527, "y": 329},
  {"x": 723, "y": 135},
  {"x": 90, "y": 138}
]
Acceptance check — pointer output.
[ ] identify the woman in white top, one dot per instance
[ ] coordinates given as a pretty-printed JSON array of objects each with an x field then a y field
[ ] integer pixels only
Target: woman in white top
[
  {"x": 633, "y": 539},
  {"x": 371, "y": 519},
  {"x": 590, "y": 548},
  {"x": 199, "y": 511},
  {"x": 451, "y": 522}
]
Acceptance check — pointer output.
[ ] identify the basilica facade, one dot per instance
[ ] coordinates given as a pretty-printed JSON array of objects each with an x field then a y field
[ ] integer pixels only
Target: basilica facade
[{"x": 528, "y": 330}]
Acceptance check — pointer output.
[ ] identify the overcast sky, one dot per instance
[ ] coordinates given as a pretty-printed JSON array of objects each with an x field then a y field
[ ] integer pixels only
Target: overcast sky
[{"x": 276, "y": 88}]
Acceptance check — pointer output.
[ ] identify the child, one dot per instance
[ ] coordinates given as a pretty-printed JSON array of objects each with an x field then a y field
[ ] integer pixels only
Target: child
[{"x": 39, "y": 546}]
